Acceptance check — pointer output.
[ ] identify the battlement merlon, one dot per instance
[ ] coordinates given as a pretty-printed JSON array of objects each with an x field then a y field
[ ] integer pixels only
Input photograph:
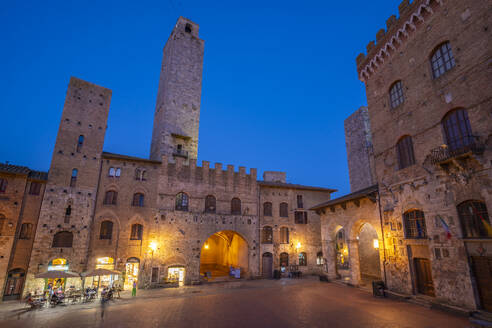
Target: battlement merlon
[
  {"x": 173, "y": 169},
  {"x": 411, "y": 16}
]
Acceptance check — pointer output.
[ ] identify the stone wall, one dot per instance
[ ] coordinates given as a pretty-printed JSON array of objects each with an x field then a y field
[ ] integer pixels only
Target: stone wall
[
  {"x": 307, "y": 235},
  {"x": 177, "y": 112},
  {"x": 85, "y": 113},
  {"x": 359, "y": 150},
  {"x": 434, "y": 186}
]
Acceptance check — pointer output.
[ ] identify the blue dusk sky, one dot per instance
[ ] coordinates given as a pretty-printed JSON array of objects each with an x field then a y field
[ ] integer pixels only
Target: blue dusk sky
[{"x": 279, "y": 77}]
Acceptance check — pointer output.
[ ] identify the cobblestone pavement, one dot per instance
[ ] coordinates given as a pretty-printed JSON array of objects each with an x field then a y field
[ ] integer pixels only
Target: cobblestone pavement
[{"x": 261, "y": 303}]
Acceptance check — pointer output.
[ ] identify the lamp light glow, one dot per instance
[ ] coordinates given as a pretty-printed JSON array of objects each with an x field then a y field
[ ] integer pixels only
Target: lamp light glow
[
  {"x": 153, "y": 246},
  {"x": 376, "y": 243},
  {"x": 298, "y": 245},
  {"x": 206, "y": 246}
]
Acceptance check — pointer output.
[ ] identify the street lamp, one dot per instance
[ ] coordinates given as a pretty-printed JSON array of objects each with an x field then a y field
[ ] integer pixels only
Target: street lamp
[{"x": 153, "y": 248}]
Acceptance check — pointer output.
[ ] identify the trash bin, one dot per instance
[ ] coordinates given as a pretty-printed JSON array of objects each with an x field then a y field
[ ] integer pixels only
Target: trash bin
[{"x": 378, "y": 288}]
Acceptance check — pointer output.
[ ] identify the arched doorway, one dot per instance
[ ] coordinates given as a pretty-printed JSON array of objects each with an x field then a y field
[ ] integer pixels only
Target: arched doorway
[
  {"x": 369, "y": 264},
  {"x": 132, "y": 268},
  {"x": 221, "y": 251},
  {"x": 267, "y": 265},
  {"x": 15, "y": 282}
]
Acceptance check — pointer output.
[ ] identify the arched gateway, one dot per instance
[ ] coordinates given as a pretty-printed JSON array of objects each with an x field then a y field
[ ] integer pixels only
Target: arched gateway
[{"x": 221, "y": 251}]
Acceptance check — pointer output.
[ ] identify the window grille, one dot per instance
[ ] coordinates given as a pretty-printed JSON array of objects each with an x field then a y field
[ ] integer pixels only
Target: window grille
[{"x": 442, "y": 60}]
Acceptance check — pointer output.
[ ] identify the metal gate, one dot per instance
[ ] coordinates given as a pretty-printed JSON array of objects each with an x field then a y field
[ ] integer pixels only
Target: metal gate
[{"x": 482, "y": 269}]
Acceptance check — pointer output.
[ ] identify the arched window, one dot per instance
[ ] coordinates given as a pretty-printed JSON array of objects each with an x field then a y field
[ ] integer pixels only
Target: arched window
[
  {"x": 110, "y": 198},
  {"x": 106, "y": 231},
  {"x": 111, "y": 172},
  {"x": 341, "y": 249},
  {"x": 181, "y": 202},
  {"x": 210, "y": 204},
  {"x": 284, "y": 235},
  {"x": 404, "y": 149},
  {"x": 80, "y": 143},
  {"x": 137, "y": 232},
  {"x": 73, "y": 179},
  {"x": 267, "y": 235},
  {"x": 62, "y": 239},
  {"x": 3, "y": 185},
  {"x": 267, "y": 209},
  {"x": 236, "y": 206},
  {"x": 2, "y": 223},
  {"x": 475, "y": 222},
  {"x": 139, "y": 174},
  {"x": 302, "y": 259},
  {"x": 117, "y": 173},
  {"x": 442, "y": 60},
  {"x": 414, "y": 222},
  {"x": 68, "y": 212},
  {"x": 284, "y": 260},
  {"x": 319, "y": 258},
  {"x": 396, "y": 94},
  {"x": 138, "y": 199},
  {"x": 457, "y": 129},
  {"x": 26, "y": 231},
  {"x": 284, "y": 210}
]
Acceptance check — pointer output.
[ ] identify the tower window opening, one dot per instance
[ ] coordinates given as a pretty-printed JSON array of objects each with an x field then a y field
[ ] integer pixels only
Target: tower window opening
[{"x": 188, "y": 28}]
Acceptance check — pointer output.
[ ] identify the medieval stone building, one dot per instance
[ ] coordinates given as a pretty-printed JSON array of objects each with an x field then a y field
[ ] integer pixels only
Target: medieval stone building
[
  {"x": 420, "y": 160},
  {"x": 160, "y": 220}
]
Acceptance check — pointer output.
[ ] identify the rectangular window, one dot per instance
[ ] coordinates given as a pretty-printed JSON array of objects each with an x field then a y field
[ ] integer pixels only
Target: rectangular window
[
  {"x": 34, "y": 188},
  {"x": 300, "y": 217},
  {"x": 299, "y": 201},
  {"x": 25, "y": 232},
  {"x": 3, "y": 185},
  {"x": 415, "y": 224}
]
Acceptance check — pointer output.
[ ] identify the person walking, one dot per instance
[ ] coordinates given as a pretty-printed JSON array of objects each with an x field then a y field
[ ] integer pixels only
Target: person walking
[{"x": 134, "y": 289}]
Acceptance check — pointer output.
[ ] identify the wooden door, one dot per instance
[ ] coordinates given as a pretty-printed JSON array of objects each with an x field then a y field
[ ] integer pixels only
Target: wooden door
[
  {"x": 423, "y": 276},
  {"x": 13, "y": 287},
  {"x": 482, "y": 269},
  {"x": 267, "y": 265}
]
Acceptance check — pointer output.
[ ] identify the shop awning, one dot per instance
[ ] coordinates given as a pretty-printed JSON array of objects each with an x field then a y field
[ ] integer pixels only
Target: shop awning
[
  {"x": 100, "y": 272},
  {"x": 57, "y": 274}
]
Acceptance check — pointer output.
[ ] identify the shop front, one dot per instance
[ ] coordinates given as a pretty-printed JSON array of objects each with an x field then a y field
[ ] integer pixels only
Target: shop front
[
  {"x": 131, "y": 269},
  {"x": 104, "y": 274},
  {"x": 58, "y": 264},
  {"x": 176, "y": 275}
]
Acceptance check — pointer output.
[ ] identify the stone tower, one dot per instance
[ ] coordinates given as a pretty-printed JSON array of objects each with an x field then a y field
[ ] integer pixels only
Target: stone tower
[
  {"x": 69, "y": 200},
  {"x": 358, "y": 141},
  {"x": 177, "y": 110}
]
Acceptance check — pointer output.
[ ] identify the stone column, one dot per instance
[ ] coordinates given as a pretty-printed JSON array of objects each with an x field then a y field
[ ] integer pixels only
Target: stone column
[
  {"x": 353, "y": 247},
  {"x": 330, "y": 259}
]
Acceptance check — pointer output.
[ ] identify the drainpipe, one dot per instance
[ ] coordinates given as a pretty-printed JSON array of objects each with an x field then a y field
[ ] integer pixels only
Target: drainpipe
[{"x": 382, "y": 233}]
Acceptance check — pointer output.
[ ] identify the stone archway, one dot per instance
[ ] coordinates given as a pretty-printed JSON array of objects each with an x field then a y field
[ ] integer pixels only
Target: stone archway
[
  {"x": 369, "y": 259},
  {"x": 221, "y": 251}
]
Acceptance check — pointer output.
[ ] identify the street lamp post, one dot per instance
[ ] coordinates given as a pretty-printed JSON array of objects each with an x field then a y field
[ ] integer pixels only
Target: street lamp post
[{"x": 153, "y": 248}]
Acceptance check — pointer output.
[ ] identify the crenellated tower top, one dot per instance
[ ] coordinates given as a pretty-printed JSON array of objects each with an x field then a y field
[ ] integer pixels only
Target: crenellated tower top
[{"x": 398, "y": 31}]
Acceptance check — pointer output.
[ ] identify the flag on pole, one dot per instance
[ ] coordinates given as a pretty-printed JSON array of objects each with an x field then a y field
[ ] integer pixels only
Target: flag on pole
[{"x": 446, "y": 227}]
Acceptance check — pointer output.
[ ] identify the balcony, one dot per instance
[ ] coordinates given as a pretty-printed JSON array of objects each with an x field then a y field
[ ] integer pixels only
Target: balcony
[
  {"x": 180, "y": 152},
  {"x": 469, "y": 145}
]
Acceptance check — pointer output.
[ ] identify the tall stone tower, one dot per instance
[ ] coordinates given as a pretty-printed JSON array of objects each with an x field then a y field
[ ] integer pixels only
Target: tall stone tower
[
  {"x": 69, "y": 200},
  {"x": 177, "y": 110},
  {"x": 358, "y": 141}
]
